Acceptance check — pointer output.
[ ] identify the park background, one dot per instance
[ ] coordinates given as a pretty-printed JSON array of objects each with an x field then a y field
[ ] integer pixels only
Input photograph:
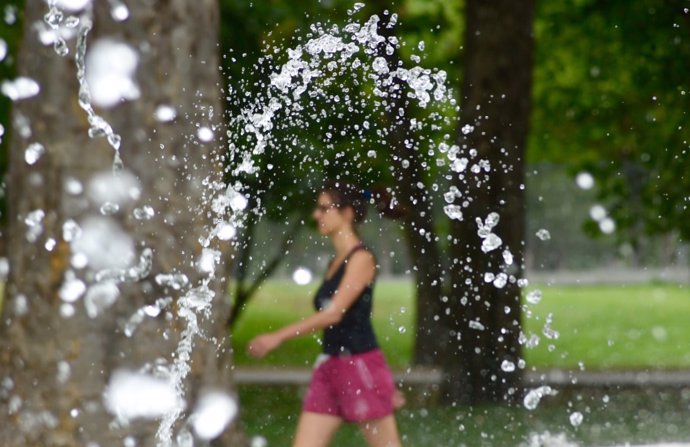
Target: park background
[{"x": 605, "y": 161}]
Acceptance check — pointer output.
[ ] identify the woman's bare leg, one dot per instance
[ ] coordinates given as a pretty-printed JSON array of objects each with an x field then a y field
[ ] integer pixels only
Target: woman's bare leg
[
  {"x": 381, "y": 432},
  {"x": 315, "y": 430}
]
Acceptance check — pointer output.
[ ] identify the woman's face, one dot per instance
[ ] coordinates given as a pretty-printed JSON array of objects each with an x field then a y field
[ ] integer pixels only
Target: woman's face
[{"x": 329, "y": 218}]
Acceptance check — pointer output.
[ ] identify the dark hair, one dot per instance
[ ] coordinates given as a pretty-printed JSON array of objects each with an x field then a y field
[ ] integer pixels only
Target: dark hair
[{"x": 345, "y": 195}]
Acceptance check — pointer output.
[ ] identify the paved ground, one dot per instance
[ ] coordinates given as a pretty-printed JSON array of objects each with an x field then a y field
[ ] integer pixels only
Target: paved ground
[
  {"x": 611, "y": 275},
  {"x": 559, "y": 378}
]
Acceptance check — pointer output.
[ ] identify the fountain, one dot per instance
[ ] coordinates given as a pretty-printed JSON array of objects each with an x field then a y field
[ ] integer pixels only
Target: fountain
[{"x": 118, "y": 237}]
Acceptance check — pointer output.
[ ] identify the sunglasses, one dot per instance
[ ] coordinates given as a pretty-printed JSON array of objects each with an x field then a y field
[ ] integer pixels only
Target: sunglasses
[{"x": 324, "y": 208}]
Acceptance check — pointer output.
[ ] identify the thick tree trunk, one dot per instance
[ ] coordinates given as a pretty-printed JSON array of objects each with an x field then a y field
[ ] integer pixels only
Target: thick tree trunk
[
  {"x": 496, "y": 91},
  {"x": 56, "y": 360}
]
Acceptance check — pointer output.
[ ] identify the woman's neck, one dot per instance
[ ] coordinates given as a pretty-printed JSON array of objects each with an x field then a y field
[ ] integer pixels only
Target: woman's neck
[{"x": 344, "y": 242}]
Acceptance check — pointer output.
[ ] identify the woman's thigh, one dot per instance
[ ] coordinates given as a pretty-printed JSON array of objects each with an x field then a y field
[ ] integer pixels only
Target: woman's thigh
[
  {"x": 315, "y": 429},
  {"x": 381, "y": 432}
]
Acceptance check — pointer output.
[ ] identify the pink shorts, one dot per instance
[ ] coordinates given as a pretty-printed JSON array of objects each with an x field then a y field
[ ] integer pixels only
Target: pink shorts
[{"x": 356, "y": 388}]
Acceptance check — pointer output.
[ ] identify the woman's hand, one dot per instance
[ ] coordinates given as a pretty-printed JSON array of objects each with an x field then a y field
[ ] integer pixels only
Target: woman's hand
[{"x": 263, "y": 344}]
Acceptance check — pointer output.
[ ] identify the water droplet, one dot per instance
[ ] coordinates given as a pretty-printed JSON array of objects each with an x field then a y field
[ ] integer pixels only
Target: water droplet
[
  {"x": 109, "y": 208},
  {"x": 100, "y": 297},
  {"x": 119, "y": 188},
  {"x": 64, "y": 371},
  {"x": 21, "y": 305},
  {"x": 597, "y": 212},
  {"x": 507, "y": 257},
  {"x": 132, "y": 395},
  {"x": 50, "y": 244},
  {"x": 467, "y": 129},
  {"x": 165, "y": 113},
  {"x": 543, "y": 234},
  {"x": 208, "y": 260},
  {"x": 380, "y": 65},
  {"x": 491, "y": 242},
  {"x": 402, "y": 329},
  {"x": 212, "y": 414},
  {"x": 175, "y": 280},
  {"x": 356, "y": 7},
  {"x": 459, "y": 164},
  {"x": 522, "y": 282},
  {"x": 72, "y": 289},
  {"x": 492, "y": 220},
  {"x": 119, "y": 12},
  {"x": 584, "y": 180},
  {"x": 607, "y": 225},
  {"x": 453, "y": 211},
  {"x": 3, "y": 50},
  {"x": 66, "y": 310},
  {"x": 33, "y": 153},
  {"x": 302, "y": 276},
  {"x": 659, "y": 333},
  {"x": 73, "y": 5},
  {"x": 576, "y": 418},
  {"x": 60, "y": 47},
  {"x": 534, "y": 297},
  {"x": 258, "y": 441},
  {"x": 20, "y": 88},
  {"x": 489, "y": 277},
  {"x": 532, "y": 398},
  {"x": 4, "y": 268},
  {"x": 205, "y": 134},
  {"x": 501, "y": 280},
  {"x": 110, "y": 69},
  {"x": 474, "y": 324},
  {"x": 144, "y": 213},
  {"x": 34, "y": 223},
  {"x": 71, "y": 22},
  {"x": 508, "y": 366},
  {"x": 104, "y": 244},
  {"x": 53, "y": 17},
  {"x": 70, "y": 230}
]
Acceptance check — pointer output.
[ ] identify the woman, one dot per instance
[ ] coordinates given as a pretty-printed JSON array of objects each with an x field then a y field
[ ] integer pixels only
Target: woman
[{"x": 351, "y": 382}]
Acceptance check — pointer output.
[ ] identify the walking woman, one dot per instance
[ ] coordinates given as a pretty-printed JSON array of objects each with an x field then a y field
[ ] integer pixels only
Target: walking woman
[{"x": 351, "y": 382}]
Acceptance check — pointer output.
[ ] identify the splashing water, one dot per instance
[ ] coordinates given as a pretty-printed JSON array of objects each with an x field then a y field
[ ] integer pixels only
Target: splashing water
[
  {"x": 310, "y": 69},
  {"x": 534, "y": 396}
]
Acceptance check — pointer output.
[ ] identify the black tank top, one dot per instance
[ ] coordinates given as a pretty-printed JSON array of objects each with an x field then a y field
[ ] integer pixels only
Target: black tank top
[{"x": 354, "y": 334}]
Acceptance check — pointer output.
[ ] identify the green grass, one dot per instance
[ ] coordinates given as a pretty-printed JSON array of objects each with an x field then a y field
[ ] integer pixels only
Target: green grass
[
  {"x": 608, "y": 419},
  {"x": 620, "y": 327}
]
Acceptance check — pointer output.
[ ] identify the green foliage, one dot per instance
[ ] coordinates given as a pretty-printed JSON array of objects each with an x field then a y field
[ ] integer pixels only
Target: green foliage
[
  {"x": 611, "y": 96},
  {"x": 341, "y": 130}
]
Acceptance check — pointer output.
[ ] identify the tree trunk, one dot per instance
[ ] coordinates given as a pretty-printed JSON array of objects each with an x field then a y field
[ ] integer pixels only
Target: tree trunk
[
  {"x": 496, "y": 91},
  {"x": 55, "y": 359}
]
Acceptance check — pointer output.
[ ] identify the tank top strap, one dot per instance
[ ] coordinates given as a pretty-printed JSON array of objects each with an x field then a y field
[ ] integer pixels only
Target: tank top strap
[{"x": 355, "y": 249}]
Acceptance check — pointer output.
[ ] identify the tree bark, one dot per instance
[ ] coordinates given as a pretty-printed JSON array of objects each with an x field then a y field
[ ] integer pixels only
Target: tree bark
[
  {"x": 54, "y": 367},
  {"x": 485, "y": 320}
]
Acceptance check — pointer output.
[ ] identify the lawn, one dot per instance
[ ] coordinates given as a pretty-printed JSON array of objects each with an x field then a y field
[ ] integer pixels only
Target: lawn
[
  {"x": 619, "y": 418},
  {"x": 626, "y": 326},
  {"x": 600, "y": 326}
]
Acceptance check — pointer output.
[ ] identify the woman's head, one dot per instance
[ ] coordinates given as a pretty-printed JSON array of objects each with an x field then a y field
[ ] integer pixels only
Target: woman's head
[
  {"x": 340, "y": 203},
  {"x": 345, "y": 195}
]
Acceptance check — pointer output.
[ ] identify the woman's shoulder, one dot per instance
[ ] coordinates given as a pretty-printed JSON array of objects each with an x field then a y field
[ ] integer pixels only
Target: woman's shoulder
[{"x": 362, "y": 255}]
